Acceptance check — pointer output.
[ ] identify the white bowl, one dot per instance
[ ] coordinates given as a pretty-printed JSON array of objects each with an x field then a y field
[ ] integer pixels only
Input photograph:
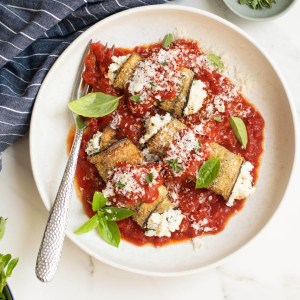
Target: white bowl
[{"x": 261, "y": 83}]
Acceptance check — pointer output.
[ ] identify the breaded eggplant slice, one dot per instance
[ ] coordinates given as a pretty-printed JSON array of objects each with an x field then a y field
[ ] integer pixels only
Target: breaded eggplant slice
[
  {"x": 143, "y": 211},
  {"x": 159, "y": 142},
  {"x": 229, "y": 170},
  {"x": 120, "y": 152},
  {"x": 127, "y": 70},
  {"x": 108, "y": 137},
  {"x": 177, "y": 105}
]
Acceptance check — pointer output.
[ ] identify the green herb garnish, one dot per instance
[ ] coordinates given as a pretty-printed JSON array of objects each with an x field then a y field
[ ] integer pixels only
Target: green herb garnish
[
  {"x": 208, "y": 172},
  {"x": 168, "y": 39},
  {"x": 258, "y": 4},
  {"x": 239, "y": 129},
  {"x": 175, "y": 165},
  {"x": 149, "y": 178},
  {"x": 105, "y": 220},
  {"x": 120, "y": 184},
  {"x": 216, "y": 61},
  {"x": 94, "y": 105},
  {"x": 7, "y": 263},
  {"x": 152, "y": 84},
  {"x": 198, "y": 147},
  {"x": 164, "y": 63},
  {"x": 218, "y": 119},
  {"x": 136, "y": 98}
]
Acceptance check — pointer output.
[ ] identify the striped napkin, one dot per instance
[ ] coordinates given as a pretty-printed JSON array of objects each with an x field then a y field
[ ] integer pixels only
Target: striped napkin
[{"x": 32, "y": 35}]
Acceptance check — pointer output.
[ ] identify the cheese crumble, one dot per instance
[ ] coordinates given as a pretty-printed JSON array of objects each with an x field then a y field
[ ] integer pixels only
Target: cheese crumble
[
  {"x": 115, "y": 66},
  {"x": 163, "y": 224},
  {"x": 154, "y": 125},
  {"x": 93, "y": 145},
  {"x": 196, "y": 97},
  {"x": 243, "y": 186}
]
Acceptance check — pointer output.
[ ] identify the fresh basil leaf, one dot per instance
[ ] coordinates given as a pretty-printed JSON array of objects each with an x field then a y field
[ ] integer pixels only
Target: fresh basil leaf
[
  {"x": 239, "y": 130},
  {"x": 168, "y": 39},
  {"x": 89, "y": 225},
  {"x": 12, "y": 264},
  {"x": 149, "y": 177},
  {"x": 216, "y": 61},
  {"x": 208, "y": 172},
  {"x": 99, "y": 201},
  {"x": 218, "y": 119},
  {"x": 94, "y": 105},
  {"x": 2, "y": 227},
  {"x": 2, "y": 296},
  {"x": 81, "y": 124},
  {"x": 109, "y": 231},
  {"x": 136, "y": 98},
  {"x": 116, "y": 213}
]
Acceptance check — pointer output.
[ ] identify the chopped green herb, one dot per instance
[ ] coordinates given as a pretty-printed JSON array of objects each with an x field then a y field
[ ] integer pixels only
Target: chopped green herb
[
  {"x": 164, "y": 63},
  {"x": 208, "y": 172},
  {"x": 120, "y": 184},
  {"x": 175, "y": 165},
  {"x": 136, "y": 98},
  {"x": 239, "y": 130},
  {"x": 218, "y": 119},
  {"x": 105, "y": 220},
  {"x": 153, "y": 84},
  {"x": 168, "y": 39},
  {"x": 94, "y": 105},
  {"x": 149, "y": 178},
  {"x": 216, "y": 61},
  {"x": 258, "y": 4}
]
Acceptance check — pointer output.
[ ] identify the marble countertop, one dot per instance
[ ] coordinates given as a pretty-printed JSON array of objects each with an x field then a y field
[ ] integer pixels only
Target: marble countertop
[{"x": 268, "y": 268}]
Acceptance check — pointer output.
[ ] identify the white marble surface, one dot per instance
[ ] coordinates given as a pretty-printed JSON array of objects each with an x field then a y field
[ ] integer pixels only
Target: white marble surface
[{"x": 268, "y": 268}]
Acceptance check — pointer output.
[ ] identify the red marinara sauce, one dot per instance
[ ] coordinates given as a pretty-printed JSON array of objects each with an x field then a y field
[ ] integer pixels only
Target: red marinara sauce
[{"x": 205, "y": 212}]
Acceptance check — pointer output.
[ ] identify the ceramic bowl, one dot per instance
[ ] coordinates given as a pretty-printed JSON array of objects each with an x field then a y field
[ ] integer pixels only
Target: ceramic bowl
[{"x": 244, "y": 11}]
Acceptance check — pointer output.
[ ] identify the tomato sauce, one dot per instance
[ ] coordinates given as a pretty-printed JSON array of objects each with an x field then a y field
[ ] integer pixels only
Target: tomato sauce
[{"x": 198, "y": 205}]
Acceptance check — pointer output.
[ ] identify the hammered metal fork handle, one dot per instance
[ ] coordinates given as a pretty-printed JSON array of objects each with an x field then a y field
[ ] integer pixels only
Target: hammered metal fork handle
[{"x": 53, "y": 239}]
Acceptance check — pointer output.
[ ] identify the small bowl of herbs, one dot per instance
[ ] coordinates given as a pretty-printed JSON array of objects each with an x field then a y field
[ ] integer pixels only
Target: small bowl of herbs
[
  {"x": 7, "y": 264},
  {"x": 259, "y": 10}
]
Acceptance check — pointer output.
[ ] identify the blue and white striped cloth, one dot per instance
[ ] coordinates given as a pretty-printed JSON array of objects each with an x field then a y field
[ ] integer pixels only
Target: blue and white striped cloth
[{"x": 32, "y": 35}]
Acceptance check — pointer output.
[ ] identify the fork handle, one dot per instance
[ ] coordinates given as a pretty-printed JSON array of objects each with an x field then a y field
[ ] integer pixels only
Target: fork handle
[{"x": 53, "y": 239}]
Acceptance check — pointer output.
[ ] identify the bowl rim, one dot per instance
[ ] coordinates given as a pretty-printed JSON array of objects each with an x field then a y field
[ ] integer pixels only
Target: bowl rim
[
  {"x": 180, "y": 8},
  {"x": 264, "y": 19}
]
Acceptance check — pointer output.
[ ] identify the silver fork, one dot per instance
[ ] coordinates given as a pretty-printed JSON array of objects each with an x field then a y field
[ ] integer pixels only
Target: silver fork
[{"x": 53, "y": 239}]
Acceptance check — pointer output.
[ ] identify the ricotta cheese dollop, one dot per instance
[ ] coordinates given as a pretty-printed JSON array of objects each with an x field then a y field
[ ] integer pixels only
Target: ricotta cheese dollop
[
  {"x": 93, "y": 145},
  {"x": 153, "y": 125},
  {"x": 196, "y": 97},
  {"x": 115, "y": 66},
  {"x": 163, "y": 224},
  {"x": 243, "y": 186}
]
